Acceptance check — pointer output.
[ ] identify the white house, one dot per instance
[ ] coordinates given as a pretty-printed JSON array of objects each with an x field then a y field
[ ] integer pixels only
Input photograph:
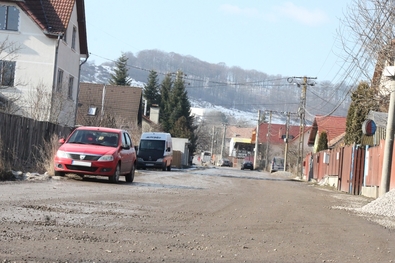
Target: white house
[{"x": 42, "y": 47}]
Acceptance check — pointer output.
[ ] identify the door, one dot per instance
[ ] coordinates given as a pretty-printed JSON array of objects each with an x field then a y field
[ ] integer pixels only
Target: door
[{"x": 127, "y": 153}]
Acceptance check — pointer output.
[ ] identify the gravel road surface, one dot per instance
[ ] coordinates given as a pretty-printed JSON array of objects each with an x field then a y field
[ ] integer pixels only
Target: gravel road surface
[{"x": 197, "y": 215}]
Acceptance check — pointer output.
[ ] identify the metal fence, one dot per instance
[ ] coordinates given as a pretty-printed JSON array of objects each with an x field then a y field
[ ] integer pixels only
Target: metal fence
[{"x": 353, "y": 166}]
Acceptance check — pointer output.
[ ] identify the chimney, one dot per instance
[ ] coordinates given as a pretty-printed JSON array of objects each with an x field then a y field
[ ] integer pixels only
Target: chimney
[{"x": 154, "y": 113}]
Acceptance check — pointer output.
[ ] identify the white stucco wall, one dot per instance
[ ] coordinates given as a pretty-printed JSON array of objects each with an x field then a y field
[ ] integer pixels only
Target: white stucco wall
[{"x": 35, "y": 62}]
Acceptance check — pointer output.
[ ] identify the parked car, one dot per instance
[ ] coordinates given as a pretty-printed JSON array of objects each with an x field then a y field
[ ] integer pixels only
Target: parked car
[
  {"x": 97, "y": 151},
  {"x": 247, "y": 165},
  {"x": 224, "y": 162},
  {"x": 277, "y": 164}
]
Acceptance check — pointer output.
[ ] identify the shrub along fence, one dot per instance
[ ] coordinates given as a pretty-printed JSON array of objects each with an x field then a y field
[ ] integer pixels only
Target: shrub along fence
[{"x": 23, "y": 139}]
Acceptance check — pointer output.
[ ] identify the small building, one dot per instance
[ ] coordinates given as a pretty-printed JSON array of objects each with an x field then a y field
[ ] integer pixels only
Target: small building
[{"x": 181, "y": 147}]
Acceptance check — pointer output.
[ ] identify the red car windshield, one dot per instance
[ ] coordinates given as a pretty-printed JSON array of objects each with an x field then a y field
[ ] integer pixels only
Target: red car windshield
[{"x": 94, "y": 137}]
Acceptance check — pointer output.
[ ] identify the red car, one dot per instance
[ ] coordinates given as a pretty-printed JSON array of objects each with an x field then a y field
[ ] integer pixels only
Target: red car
[{"x": 97, "y": 151}]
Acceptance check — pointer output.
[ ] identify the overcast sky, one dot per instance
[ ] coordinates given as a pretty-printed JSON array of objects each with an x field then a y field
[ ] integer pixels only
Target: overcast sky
[{"x": 290, "y": 38}]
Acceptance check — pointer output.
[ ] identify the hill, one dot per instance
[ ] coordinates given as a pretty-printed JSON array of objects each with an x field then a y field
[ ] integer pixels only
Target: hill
[{"x": 230, "y": 87}]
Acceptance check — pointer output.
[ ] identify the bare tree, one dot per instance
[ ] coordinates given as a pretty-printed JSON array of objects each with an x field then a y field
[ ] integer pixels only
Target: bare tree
[
  {"x": 204, "y": 137},
  {"x": 39, "y": 105},
  {"x": 367, "y": 37}
]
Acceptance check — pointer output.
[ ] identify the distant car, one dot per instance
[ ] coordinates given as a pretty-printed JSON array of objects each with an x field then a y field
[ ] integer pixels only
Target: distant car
[
  {"x": 97, "y": 151},
  {"x": 277, "y": 164},
  {"x": 224, "y": 162},
  {"x": 247, "y": 165}
]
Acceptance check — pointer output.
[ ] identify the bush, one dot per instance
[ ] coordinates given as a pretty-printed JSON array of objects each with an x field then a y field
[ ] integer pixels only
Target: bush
[
  {"x": 46, "y": 155},
  {"x": 5, "y": 168}
]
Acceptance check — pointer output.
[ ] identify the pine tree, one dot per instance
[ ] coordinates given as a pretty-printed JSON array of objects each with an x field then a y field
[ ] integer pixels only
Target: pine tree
[
  {"x": 120, "y": 76},
  {"x": 177, "y": 115},
  {"x": 164, "y": 105},
  {"x": 180, "y": 117},
  {"x": 362, "y": 101},
  {"x": 322, "y": 142},
  {"x": 151, "y": 90}
]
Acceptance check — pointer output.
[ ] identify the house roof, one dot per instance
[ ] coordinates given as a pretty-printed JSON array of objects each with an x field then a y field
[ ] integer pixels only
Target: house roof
[
  {"x": 53, "y": 17},
  {"x": 276, "y": 132},
  {"x": 239, "y": 132},
  {"x": 332, "y": 125},
  {"x": 122, "y": 102}
]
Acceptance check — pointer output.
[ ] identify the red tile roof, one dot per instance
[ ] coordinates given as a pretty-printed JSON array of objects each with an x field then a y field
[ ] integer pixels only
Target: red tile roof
[
  {"x": 53, "y": 17},
  {"x": 332, "y": 125},
  {"x": 277, "y": 131}
]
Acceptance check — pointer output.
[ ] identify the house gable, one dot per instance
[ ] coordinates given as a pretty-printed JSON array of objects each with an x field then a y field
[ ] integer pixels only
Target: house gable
[
  {"x": 53, "y": 17},
  {"x": 334, "y": 126}
]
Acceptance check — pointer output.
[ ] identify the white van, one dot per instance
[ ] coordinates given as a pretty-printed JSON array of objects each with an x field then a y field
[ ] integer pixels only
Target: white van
[{"x": 155, "y": 151}]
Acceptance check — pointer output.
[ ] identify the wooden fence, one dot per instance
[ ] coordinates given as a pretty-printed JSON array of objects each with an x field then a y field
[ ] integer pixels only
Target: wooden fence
[{"x": 22, "y": 139}]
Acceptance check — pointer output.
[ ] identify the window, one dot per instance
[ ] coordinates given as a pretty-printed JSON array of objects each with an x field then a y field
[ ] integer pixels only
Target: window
[
  {"x": 60, "y": 80},
  {"x": 92, "y": 111},
  {"x": 126, "y": 141},
  {"x": 74, "y": 37},
  {"x": 7, "y": 73},
  {"x": 71, "y": 82},
  {"x": 9, "y": 18}
]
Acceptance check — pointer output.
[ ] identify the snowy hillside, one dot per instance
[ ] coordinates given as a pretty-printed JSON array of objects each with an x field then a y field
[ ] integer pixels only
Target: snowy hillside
[{"x": 101, "y": 74}]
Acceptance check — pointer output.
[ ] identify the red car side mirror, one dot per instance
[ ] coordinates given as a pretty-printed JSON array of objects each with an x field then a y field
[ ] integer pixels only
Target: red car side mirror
[{"x": 62, "y": 141}]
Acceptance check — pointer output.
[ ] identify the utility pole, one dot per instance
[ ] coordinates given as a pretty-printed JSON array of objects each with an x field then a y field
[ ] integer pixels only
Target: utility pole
[
  {"x": 301, "y": 127},
  {"x": 286, "y": 141},
  {"x": 267, "y": 141},
  {"x": 212, "y": 141},
  {"x": 389, "y": 138},
  {"x": 223, "y": 141},
  {"x": 256, "y": 140},
  {"x": 302, "y": 112}
]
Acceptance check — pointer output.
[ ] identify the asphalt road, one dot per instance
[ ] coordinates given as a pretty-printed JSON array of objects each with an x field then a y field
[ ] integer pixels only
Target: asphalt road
[{"x": 203, "y": 215}]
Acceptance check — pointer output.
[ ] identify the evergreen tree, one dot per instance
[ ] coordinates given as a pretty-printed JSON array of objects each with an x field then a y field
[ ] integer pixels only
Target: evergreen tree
[
  {"x": 180, "y": 128},
  {"x": 151, "y": 90},
  {"x": 179, "y": 102},
  {"x": 363, "y": 100},
  {"x": 164, "y": 105},
  {"x": 120, "y": 76},
  {"x": 322, "y": 142},
  {"x": 178, "y": 110}
]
